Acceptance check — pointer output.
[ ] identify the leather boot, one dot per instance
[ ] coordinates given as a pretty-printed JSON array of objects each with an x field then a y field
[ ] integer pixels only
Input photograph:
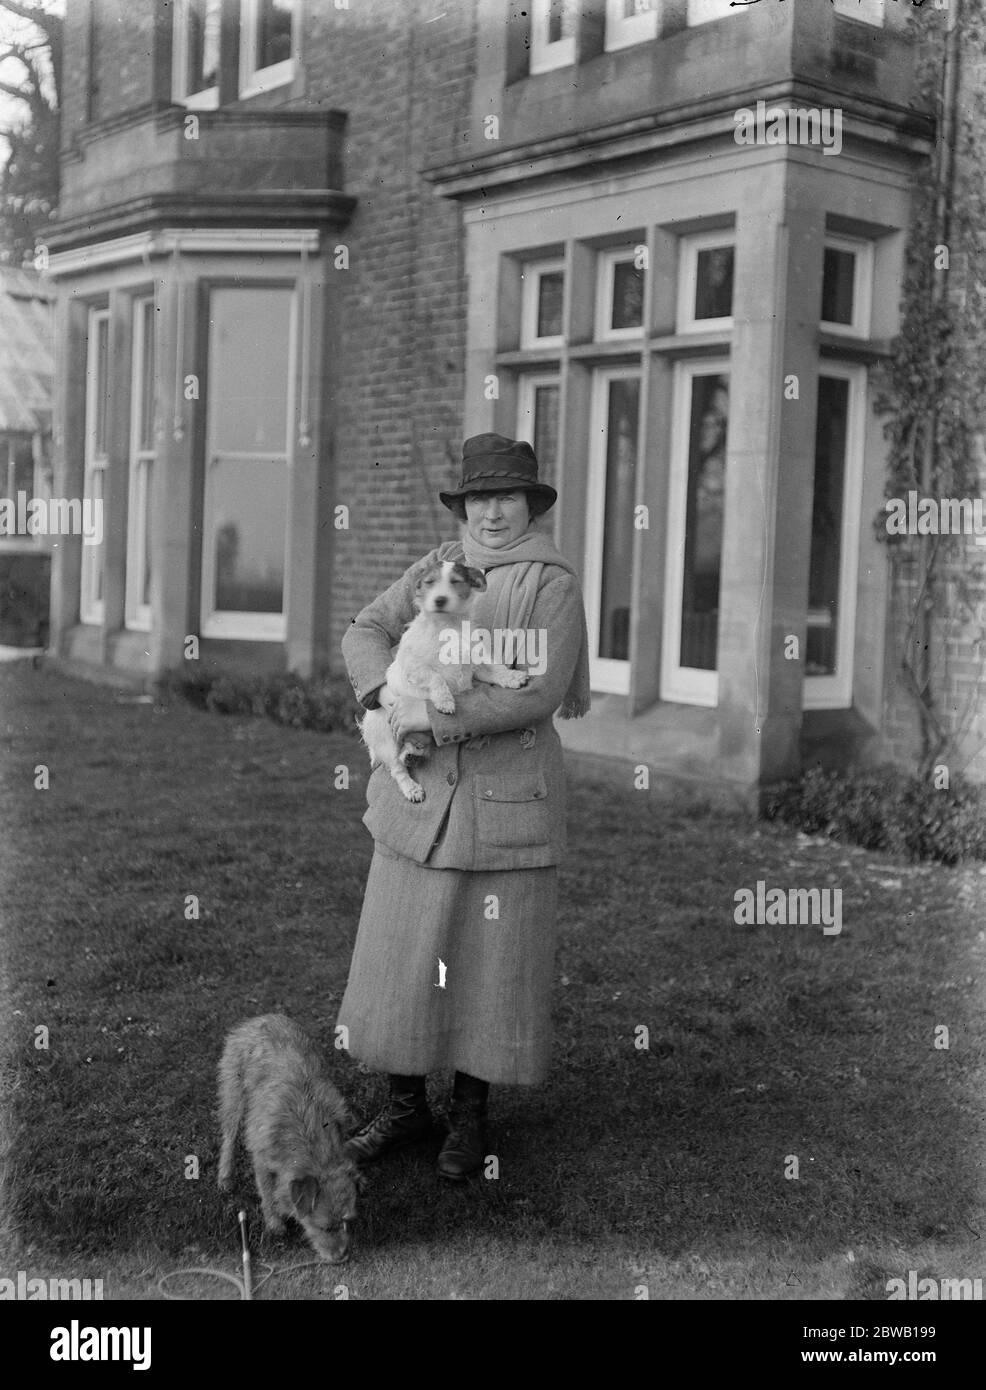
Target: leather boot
[
  {"x": 402, "y": 1120},
  {"x": 465, "y": 1147}
]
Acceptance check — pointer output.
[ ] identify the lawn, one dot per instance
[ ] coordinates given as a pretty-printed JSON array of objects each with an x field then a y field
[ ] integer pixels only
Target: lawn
[{"x": 660, "y": 1168}]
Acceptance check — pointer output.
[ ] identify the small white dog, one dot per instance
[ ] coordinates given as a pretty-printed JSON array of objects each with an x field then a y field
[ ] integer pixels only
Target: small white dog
[{"x": 443, "y": 597}]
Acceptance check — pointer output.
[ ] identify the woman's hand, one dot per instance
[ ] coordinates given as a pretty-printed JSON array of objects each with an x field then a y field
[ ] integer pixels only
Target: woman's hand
[{"x": 408, "y": 716}]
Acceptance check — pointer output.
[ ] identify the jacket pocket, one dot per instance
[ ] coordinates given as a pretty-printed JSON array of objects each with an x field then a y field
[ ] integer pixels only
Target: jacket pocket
[{"x": 512, "y": 811}]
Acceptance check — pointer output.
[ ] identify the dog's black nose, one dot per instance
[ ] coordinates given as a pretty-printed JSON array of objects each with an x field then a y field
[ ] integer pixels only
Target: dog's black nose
[{"x": 440, "y": 602}]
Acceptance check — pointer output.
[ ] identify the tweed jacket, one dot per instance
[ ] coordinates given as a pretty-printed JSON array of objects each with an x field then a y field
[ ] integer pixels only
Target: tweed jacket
[{"x": 494, "y": 783}]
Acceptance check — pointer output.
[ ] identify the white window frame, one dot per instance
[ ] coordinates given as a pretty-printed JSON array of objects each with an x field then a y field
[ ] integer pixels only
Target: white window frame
[
  {"x": 862, "y": 290},
  {"x": 91, "y": 609},
  {"x": 527, "y": 388},
  {"x": 254, "y": 80},
  {"x": 835, "y": 691},
  {"x": 530, "y": 298},
  {"x": 864, "y": 11},
  {"x": 208, "y": 98},
  {"x": 230, "y": 624},
  {"x": 623, "y": 31},
  {"x": 607, "y": 676},
  {"x": 137, "y": 615},
  {"x": 545, "y": 56},
  {"x": 689, "y": 249},
  {"x": 606, "y": 264},
  {"x": 684, "y": 685}
]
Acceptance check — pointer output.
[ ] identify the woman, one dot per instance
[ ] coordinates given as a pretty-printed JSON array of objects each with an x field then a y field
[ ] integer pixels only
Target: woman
[{"x": 454, "y": 957}]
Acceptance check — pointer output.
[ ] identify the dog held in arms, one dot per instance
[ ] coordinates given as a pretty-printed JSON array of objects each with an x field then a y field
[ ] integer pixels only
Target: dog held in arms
[
  {"x": 443, "y": 597},
  {"x": 273, "y": 1081}
]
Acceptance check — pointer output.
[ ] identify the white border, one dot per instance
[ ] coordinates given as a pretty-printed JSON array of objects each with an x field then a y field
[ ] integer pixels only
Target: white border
[
  {"x": 688, "y": 250},
  {"x": 208, "y": 98},
  {"x": 92, "y": 610},
  {"x": 243, "y": 626},
  {"x": 137, "y": 615},
  {"x": 685, "y": 685},
  {"x": 530, "y": 296},
  {"x": 623, "y": 31},
  {"x": 862, "y": 293},
  {"x": 545, "y": 56},
  {"x": 606, "y": 264},
  {"x": 606, "y": 675},
  {"x": 835, "y": 691},
  {"x": 254, "y": 80}
]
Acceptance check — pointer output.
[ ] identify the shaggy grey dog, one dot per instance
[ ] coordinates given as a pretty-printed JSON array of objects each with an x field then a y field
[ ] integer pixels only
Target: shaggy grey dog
[{"x": 272, "y": 1077}]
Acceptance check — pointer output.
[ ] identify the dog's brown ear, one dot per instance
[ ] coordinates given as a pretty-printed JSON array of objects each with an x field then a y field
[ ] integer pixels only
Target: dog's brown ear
[
  {"x": 477, "y": 578},
  {"x": 304, "y": 1194}
]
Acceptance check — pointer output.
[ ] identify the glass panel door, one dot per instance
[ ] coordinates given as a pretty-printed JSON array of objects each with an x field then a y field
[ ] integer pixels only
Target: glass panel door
[
  {"x": 96, "y": 460},
  {"x": 249, "y": 413},
  {"x": 142, "y": 445},
  {"x": 695, "y": 531},
  {"x": 613, "y": 461}
]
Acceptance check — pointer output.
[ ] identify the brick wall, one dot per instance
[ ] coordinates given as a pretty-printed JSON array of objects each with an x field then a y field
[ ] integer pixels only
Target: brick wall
[{"x": 403, "y": 73}]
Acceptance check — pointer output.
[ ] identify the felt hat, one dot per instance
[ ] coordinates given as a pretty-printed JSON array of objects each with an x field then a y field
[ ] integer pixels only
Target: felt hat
[{"x": 493, "y": 463}]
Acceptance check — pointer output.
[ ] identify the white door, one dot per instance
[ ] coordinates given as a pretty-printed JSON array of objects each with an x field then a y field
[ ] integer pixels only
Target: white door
[{"x": 249, "y": 427}]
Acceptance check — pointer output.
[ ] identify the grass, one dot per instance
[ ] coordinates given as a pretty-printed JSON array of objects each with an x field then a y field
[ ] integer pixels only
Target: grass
[{"x": 661, "y": 1168}]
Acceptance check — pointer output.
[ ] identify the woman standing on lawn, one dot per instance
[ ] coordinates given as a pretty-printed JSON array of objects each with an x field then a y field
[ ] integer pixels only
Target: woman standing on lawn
[{"x": 468, "y": 876}]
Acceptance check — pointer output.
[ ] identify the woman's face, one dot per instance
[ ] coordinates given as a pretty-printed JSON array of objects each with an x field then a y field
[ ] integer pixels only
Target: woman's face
[{"x": 497, "y": 518}]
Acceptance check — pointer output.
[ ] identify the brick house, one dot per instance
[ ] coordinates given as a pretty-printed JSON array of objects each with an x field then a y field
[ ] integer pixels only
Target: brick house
[{"x": 306, "y": 246}]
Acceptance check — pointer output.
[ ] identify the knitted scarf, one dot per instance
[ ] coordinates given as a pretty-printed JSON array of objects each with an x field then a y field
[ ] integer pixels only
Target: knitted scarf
[{"x": 513, "y": 575}]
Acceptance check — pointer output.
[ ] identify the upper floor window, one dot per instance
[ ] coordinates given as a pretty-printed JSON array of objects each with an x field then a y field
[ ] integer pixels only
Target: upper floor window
[
  {"x": 846, "y": 286},
  {"x": 705, "y": 284},
  {"x": 629, "y": 22},
  {"x": 552, "y": 34},
  {"x": 868, "y": 11},
  {"x": 542, "y": 304},
  {"x": 195, "y": 52},
  {"x": 620, "y": 293},
  {"x": 269, "y": 44}
]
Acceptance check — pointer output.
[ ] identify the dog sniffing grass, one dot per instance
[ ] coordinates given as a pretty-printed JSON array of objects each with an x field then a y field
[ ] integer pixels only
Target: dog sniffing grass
[{"x": 273, "y": 1085}]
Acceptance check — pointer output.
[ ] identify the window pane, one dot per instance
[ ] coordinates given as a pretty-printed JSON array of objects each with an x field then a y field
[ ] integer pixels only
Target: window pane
[
  {"x": 203, "y": 45},
  {"x": 274, "y": 32},
  {"x": 621, "y": 463},
  {"x": 145, "y": 405},
  {"x": 101, "y": 390},
  {"x": 714, "y": 283},
  {"x": 96, "y": 553},
  {"x": 545, "y": 439},
  {"x": 561, "y": 19},
  {"x": 145, "y": 474},
  {"x": 628, "y": 296},
  {"x": 838, "y": 285},
  {"x": 703, "y": 521},
  {"x": 831, "y": 433},
  {"x": 248, "y": 374},
  {"x": 635, "y": 7},
  {"x": 250, "y": 509},
  {"x": 20, "y": 468},
  {"x": 551, "y": 293}
]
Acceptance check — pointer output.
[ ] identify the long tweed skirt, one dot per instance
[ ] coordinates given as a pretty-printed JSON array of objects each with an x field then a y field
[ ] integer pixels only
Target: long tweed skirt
[{"x": 488, "y": 1012}]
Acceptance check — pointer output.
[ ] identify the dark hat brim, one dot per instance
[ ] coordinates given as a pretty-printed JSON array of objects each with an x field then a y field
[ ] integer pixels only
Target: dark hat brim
[{"x": 501, "y": 484}]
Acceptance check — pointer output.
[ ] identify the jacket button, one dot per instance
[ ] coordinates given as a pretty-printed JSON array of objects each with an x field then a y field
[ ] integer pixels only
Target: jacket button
[
  {"x": 451, "y": 779},
  {"x": 489, "y": 792}
]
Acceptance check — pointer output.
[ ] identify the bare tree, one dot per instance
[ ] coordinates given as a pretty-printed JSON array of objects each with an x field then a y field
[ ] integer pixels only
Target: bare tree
[{"x": 31, "y": 61}]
